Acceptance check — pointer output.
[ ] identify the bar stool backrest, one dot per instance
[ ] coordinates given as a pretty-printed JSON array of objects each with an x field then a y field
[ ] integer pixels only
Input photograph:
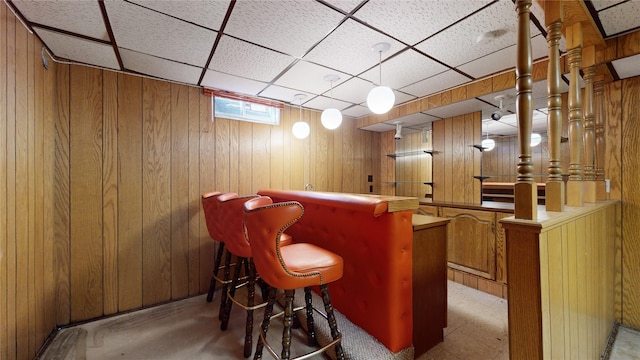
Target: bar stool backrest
[
  {"x": 264, "y": 225},
  {"x": 231, "y": 223},
  {"x": 210, "y": 208}
]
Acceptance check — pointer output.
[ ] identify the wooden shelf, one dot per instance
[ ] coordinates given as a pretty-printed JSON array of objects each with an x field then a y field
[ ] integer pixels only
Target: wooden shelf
[{"x": 409, "y": 153}]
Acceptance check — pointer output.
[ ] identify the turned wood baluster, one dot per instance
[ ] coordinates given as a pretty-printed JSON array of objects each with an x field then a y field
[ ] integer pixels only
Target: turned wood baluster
[
  {"x": 589, "y": 137},
  {"x": 598, "y": 89},
  {"x": 525, "y": 189},
  {"x": 574, "y": 57},
  {"x": 554, "y": 189}
]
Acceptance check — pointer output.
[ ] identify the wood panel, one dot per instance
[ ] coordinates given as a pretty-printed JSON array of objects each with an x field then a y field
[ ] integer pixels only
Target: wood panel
[
  {"x": 129, "y": 192},
  {"x": 156, "y": 190},
  {"x": 195, "y": 216},
  {"x": 179, "y": 192},
  {"x": 631, "y": 203},
  {"x": 86, "y": 193},
  {"x": 4, "y": 315},
  {"x": 110, "y": 191}
]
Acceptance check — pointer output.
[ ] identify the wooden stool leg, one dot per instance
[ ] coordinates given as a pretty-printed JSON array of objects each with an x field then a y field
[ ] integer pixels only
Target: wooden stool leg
[
  {"x": 333, "y": 325},
  {"x": 216, "y": 267},
  {"x": 232, "y": 293},
  {"x": 248, "y": 338},
  {"x": 309, "y": 311},
  {"x": 227, "y": 275},
  {"x": 287, "y": 322},
  {"x": 265, "y": 323}
]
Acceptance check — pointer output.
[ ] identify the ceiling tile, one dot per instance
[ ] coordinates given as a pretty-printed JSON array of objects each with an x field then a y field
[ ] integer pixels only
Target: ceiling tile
[
  {"x": 322, "y": 102},
  {"x": 161, "y": 68},
  {"x": 455, "y": 109},
  {"x": 345, "y": 5},
  {"x": 314, "y": 78},
  {"x": 78, "y": 49},
  {"x": 627, "y": 67},
  {"x": 209, "y": 16},
  {"x": 356, "y": 111},
  {"x": 354, "y": 90},
  {"x": 416, "y": 120},
  {"x": 348, "y": 49},
  {"x": 601, "y": 4},
  {"x": 217, "y": 80},
  {"x": 436, "y": 83},
  {"x": 402, "y": 97},
  {"x": 406, "y": 20},
  {"x": 620, "y": 18},
  {"x": 403, "y": 69},
  {"x": 499, "y": 17},
  {"x": 146, "y": 31},
  {"x": 503, "y": 59},
  {"x": 284, "y": 94},
  {"x": 79, "y": 17},
  {"x": 291, "y": 27},
  {"x": 237, "y": 57},
  {"x": 379, "y": 127}
]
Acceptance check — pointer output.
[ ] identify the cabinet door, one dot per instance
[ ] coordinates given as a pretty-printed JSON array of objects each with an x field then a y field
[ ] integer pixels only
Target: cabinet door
[{"x": 471, "y": 241}]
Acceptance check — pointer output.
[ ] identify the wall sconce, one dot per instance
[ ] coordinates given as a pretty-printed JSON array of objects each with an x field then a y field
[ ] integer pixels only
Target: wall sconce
[
  {"x": 381, "y": 98},
  {"x": 331, "y": 118},
  {"x": 300, "y": 128}
]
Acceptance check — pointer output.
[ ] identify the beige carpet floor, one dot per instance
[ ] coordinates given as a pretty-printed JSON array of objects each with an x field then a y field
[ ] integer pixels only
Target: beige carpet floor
[{"x": 189, "y": 329}]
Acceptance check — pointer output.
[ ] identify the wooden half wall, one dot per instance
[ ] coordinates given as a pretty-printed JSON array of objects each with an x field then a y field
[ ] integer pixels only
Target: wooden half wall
[{"x": 562, "y": 273}]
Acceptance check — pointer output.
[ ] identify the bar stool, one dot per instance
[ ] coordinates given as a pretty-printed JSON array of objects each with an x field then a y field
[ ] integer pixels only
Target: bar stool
[
  {"x": 212, "y": 219},
  {"x": 288, "y": 268},
  {"x": 231, "y": 210}
]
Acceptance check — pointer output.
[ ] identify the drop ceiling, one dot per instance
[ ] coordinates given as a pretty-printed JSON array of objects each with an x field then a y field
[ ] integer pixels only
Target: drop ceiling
[{"x": 278, "y": 48}]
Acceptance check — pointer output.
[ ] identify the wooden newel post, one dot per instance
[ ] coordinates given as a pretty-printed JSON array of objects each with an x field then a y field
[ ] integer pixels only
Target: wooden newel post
[
  {"x": 589, "y": 184},
  {"x": 525, "y": 189},
  {"x": 598, "y": 88},
  {"x": 554, "y": 188},
  {"x": 574, "y": 57}
]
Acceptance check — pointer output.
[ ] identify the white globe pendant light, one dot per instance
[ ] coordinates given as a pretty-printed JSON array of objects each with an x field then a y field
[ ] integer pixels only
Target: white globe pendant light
[
  {"x": 381, "y": 98},
  {"x": 536, "y": 139},
  {"x": 488, "y": 144},
  {"x": 331, "y": 118},
  {"x": 300, "y": 128}
]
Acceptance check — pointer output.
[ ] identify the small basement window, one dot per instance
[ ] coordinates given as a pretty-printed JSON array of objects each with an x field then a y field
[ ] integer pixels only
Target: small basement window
[{"x": 245, "y": 108}]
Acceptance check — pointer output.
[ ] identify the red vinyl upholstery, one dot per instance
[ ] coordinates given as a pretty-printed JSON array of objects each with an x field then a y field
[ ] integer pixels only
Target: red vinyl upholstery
[{"x": 375, "y": 289}]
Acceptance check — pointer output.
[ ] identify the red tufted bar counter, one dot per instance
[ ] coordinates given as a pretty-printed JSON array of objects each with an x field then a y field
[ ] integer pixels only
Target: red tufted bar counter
[{"x": 374, "y": 236}]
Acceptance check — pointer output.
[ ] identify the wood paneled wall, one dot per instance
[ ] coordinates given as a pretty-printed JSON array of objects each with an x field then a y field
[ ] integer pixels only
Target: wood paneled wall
[
  {"x": 142, "y": 152},
  {"x": 27, "y": 261},
  {"x": 100, "y": 181},
  {"x": 455, "y": 160}
]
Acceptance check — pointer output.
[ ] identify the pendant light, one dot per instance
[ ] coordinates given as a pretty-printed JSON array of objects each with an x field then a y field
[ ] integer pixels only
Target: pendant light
[
  {"x": 536, "y": 139},
  {"x": 331, "y": 118},
  {"x": 488, "y": 144},
  {"x": 381, "y": 98},
  {"x": 300, "y": 128}
]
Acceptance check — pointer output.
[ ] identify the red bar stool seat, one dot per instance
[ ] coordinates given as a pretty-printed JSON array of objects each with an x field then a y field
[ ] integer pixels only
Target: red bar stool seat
[{"x": 288, "y": 268}]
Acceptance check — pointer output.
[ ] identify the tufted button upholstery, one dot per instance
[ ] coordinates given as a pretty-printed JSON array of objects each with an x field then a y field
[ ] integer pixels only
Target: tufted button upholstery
[
  {"x": 299, "y": 265},
  {"x": 376, "y": 246},
  {"x": 212, "y": 219}
]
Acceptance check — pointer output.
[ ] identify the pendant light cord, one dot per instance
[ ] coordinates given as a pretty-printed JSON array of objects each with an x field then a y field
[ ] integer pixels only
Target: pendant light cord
[{"x": 380, "y": 67}]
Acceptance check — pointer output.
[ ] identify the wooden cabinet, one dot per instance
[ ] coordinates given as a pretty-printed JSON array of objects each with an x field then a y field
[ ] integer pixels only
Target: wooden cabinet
[
  {"x": 471, "y": 241},
  {"x": 428, "y": 210}
]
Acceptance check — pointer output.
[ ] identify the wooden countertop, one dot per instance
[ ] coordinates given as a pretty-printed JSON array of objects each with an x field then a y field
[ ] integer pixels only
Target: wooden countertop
[
  {"x": 504, "y": 207},
  {"x": 421, "y": 222},
  {"x": 397, "y": 203}
]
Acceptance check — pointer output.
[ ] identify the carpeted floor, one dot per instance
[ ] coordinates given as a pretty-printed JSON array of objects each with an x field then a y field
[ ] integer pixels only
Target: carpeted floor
[{"x": 189, "y": 329}]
